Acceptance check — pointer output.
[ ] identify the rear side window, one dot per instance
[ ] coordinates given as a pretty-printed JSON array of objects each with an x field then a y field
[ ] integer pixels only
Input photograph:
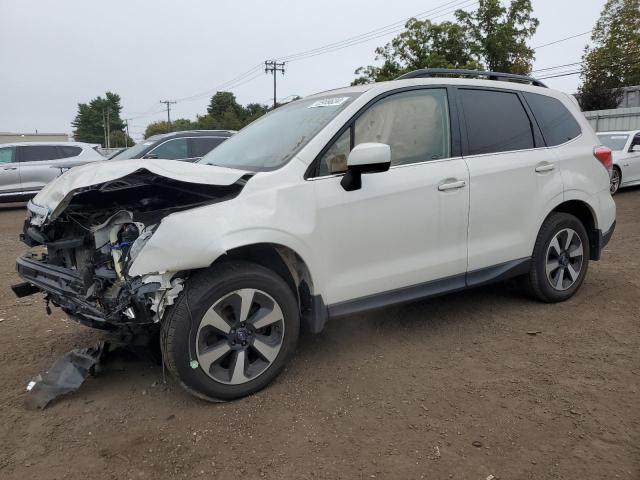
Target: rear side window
[
  {"x": 38, "y": 153},
  {"x": 200, "y": 146},
  {"x": 496, "y": 122},
  {"x": 69, "y": 151},
  {"x": 556, "y": 122}
]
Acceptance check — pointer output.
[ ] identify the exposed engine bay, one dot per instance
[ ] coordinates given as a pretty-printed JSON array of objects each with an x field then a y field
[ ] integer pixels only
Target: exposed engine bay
[{"x": 82, "y": 254}]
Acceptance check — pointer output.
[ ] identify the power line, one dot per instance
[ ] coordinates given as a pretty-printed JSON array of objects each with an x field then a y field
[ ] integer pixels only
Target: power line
[{"x": 561, "y": 40}]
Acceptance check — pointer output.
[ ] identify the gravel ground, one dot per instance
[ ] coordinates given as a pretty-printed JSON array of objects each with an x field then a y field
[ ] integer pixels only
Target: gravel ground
[{"x": 453, "y": 387}]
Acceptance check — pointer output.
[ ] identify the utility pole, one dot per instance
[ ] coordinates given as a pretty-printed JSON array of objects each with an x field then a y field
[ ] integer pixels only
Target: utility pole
[
  {"x": 108, "y": 129},
  {"x": 104, "y": 127},
  {"x": 273, "y": 67},
  {"x": 126, "y": 135},
  {"x": 168, "y": 103}
]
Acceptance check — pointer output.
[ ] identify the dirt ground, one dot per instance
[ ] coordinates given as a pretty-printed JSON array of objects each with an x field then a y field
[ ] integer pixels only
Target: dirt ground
[{"x": 453, "y": 387}]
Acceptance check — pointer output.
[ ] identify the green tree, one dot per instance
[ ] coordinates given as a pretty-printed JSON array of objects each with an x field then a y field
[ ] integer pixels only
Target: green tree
[
  {"x": 498, "y": 35},
  {"x": 120, "y": 139},
  {"x": 614, "y": 61},
  {"x": 252, "y": 112},
  {"x": 92, "y": 117},
  {"x": 179, "y": 125},
  {"x": 423, "y": 44},
  {"x": 493, "y": 37}
]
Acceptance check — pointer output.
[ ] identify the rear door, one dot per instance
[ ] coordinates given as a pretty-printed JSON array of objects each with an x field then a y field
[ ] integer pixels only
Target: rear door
[
  {"x": 38, "y": 165},
  {"x": 513, "y": 177},
  {"x": 9, "y": 171}
]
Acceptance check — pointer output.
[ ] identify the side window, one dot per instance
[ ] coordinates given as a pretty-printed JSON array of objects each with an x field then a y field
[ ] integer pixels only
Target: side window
[
  {"x": 38, "y": 153},
  {"x": 7, "y": 155},
  {"x": 556, "y": 122},
  {"x": 69, "y": 151},
  {"x": 172, "y": 149},
  {"x": 496, "y": 121},
  {"x": 200, "y": 146},
  {"x": 335, "y": 159},
  {"x": 415, "y": 124}
]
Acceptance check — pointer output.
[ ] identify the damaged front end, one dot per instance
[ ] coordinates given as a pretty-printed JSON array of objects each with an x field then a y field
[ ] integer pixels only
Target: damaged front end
[{"x": 84, "y": 247}]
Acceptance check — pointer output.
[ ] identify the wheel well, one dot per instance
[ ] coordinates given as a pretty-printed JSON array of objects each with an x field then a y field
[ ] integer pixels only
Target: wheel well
[
  {"x": 583, "y": 212},
  {"x": 286, "y": 263},
  {"x": 580, "y": 210}
]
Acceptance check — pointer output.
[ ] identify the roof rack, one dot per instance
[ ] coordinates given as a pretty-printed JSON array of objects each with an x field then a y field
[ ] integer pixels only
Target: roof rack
[{"x": 505, "y": 77}]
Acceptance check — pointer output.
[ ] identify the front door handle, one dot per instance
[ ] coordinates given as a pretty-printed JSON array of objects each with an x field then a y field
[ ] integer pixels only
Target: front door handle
[
  {"x": 10, "y": 168},
  {"x": 545, "y": 167},
  {"x": 443, "y": 187}
]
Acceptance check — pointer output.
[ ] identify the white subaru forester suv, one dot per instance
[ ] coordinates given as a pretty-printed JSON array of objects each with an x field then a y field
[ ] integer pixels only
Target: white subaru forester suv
[{"x": 342, "y": 202}]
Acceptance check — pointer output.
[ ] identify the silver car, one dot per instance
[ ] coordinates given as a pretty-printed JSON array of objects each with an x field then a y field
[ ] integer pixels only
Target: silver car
[{"x": 27, "y": 167}]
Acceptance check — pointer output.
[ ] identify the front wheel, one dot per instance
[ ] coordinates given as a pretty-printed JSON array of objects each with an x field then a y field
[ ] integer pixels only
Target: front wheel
[
  {"x": 231, "y": 331},
  {"x": 560, "y": 259}
]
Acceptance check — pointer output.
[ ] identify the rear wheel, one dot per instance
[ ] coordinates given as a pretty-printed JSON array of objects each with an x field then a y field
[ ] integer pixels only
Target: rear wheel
[
  {"x": 616, "y": 178},
  {"x": 231, "y": 331},
  {"x": 560, "y": 259}
]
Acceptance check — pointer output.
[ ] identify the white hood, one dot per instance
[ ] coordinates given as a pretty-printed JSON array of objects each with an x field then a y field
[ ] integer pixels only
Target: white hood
[{"x": 56, "y": 191}]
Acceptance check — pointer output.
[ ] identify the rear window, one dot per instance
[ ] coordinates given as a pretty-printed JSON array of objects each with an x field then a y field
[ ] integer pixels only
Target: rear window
[
  {"x": 37, "y": 153},
  {"x": 200, "y": 146},
  {"x": 615, "y": 141},
  {"x": 556, "y": 122},
  {"x": 496, "y": 122}
]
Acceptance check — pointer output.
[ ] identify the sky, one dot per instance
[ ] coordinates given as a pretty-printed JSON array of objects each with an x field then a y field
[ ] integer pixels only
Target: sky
[{"x": 56, "y": 54}]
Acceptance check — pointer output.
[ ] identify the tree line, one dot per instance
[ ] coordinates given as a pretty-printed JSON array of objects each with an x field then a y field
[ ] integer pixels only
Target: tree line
[{"x": 492, "y": 37}]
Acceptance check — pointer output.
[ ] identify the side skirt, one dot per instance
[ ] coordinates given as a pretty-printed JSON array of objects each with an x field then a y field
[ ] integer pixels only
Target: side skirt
[{"x": 433, "y": 288}]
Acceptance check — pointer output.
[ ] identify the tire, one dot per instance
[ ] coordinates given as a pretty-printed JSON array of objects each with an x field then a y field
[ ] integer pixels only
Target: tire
[
  {"x": 552, "y": 286},
  {"x": 203, "y": 336},
  {"x": 616, "y": 180}
]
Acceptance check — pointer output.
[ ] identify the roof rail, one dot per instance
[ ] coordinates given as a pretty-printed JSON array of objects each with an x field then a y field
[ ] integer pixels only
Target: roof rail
[{"x": 505, "y": 77}]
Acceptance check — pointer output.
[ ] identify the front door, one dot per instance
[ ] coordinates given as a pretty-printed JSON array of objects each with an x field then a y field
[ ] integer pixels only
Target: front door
[{"x": 404, "y": 227}]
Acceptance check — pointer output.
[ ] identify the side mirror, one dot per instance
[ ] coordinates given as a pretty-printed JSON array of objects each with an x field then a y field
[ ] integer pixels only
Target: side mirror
[
  {"x": 635, "y": 148},
  {"x": 365, "y": 158},
  {"x": 150, "y": 155}
]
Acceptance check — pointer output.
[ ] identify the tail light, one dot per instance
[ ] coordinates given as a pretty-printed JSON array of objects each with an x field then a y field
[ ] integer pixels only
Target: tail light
[{"x": 604, "y": 156}]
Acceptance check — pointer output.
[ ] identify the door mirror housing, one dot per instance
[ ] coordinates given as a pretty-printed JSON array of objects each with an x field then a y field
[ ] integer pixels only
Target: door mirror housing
[
  {"x": 365, "y": 158},
  {"x": 150, "y": 155},
  {"x": 635, "y": 148}
]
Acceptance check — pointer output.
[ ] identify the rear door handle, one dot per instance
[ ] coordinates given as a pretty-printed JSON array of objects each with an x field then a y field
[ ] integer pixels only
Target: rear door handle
[
  {"x": 443, "y": 187},
  {"x": 545, "y": 167},
  {"x": 10, "y": 168}
]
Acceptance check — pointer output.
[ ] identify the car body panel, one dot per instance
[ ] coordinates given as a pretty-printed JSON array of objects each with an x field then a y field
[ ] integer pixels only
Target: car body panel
[{"x": 627, "y": 161}]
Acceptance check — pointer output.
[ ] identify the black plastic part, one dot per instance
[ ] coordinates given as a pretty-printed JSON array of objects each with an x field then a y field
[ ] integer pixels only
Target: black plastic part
[
  {"x": 316, "y": 317},
  {"x": 436, "y": 72},
  {"x": 434, "y": 288},
  {"x": 599, "y": 240},
  {"x": 352, "y": 180},
  {"x": 24, "y": 289}
]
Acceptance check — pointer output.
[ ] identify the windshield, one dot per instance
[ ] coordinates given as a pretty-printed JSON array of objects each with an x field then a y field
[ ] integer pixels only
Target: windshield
[
  {"x": 614, "y": 141},
  {"x": 271, "y": 141},
  {"x": 133, "y": 152}
]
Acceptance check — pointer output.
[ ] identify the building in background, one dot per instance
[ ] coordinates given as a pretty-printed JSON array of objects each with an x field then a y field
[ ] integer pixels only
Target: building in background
[{"x": 6, "y": 137}]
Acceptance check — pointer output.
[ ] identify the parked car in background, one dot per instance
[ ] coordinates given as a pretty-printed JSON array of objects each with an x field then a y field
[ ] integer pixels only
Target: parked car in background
[
  {"x": 626, "y": 157},
  {"x": 27, "y": 167},
  {"x": 342, "y": 202},
  {"x": 186, "y": 146}
]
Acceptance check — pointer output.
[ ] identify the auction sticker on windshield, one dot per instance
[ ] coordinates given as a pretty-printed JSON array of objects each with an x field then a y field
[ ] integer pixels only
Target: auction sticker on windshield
[{"x": 329, "y": 102}]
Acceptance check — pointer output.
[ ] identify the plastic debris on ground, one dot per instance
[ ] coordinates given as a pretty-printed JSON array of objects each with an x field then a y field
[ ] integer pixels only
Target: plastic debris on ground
[{"x": 65, "y": 375}]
